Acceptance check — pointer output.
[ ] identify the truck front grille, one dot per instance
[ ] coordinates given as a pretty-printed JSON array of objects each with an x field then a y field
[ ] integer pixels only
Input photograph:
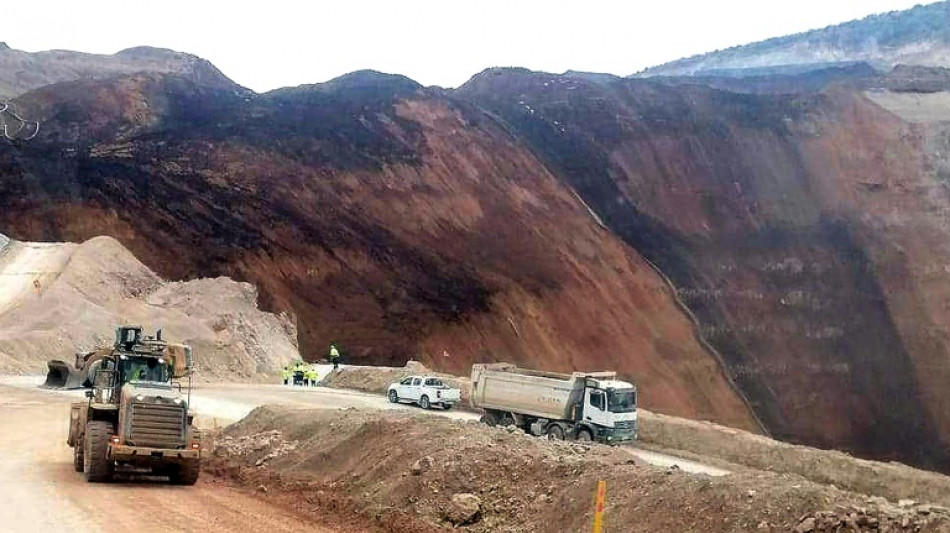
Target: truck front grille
[{"x": 157, "y": 425}]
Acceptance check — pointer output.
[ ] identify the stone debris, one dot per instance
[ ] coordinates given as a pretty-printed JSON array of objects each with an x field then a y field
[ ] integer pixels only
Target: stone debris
[
  {"x": 419, "y": 467},
  {"x": 463, "y": 509},
  {"x": 264, "y": 446},
  {"x": 906, "y": 515}
]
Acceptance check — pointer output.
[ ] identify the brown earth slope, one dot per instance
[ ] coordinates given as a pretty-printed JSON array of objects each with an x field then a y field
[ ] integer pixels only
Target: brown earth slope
[
  {"x": 807, "y": 233},
  {"x": 517, "y": 219},
  {"x": 384, "y": 216}
]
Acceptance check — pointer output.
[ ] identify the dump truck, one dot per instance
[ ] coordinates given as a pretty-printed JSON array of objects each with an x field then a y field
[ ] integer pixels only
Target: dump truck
[
  {"x": 587, "y": 406},
  {"x": 136, "y": 416}
]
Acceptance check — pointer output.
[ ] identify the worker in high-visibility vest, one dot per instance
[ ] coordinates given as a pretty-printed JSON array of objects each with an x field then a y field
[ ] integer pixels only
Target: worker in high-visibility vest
[
  {"x": 312, "y": 376},
  {"x": 334, "y": 356},
  {"x": 288, "y": 375}
]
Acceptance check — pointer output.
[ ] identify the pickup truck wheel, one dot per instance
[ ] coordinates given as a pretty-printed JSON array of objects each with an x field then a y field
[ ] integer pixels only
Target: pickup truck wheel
[
  {"x": 99, "y": 468},
  {"x": 584, "y": 436},
  {"x": 393, "y": 397},
  {"x": 78, "y": 456},
  {"x": 424, "y": 402},
  {"x": 555, "y": 432},
  {"x": 446, "y": 406}
]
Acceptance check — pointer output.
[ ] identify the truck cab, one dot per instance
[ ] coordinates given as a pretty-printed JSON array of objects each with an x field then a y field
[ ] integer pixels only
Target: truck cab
[
  {"x": 582, "y": 405},
  {"x": 610, "y": 406}
]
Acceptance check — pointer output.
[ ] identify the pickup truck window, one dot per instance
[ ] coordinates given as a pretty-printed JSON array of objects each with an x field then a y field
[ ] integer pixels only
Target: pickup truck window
[
  {"x": 432, "y": 382},
  {"x": 407, "y": 381},
  {"x": 416, "y": 382}
]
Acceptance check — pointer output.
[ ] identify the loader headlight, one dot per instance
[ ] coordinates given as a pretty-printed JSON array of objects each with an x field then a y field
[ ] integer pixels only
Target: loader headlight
[
  {"x": 139, "y": 398},
  {"x": 177, "y": 401}
]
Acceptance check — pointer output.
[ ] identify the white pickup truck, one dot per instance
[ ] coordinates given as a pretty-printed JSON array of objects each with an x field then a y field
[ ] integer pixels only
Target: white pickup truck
[{"x": 425, "y": 391}]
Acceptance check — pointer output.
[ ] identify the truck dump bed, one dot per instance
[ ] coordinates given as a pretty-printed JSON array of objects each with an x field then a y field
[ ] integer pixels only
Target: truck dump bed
[{"x": 505, "y": 387}]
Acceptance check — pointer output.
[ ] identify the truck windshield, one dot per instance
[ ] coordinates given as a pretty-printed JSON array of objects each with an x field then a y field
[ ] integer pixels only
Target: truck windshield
[
  {"x": 622, "y": 401},
  {"x": 143, "y": 369}
]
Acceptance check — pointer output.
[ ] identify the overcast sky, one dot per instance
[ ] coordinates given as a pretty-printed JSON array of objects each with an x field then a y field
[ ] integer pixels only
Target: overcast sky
[{"x": 276, "y": 43}]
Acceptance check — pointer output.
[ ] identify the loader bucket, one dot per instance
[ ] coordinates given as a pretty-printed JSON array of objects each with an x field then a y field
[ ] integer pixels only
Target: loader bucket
[{"x": 62, "y": 376}]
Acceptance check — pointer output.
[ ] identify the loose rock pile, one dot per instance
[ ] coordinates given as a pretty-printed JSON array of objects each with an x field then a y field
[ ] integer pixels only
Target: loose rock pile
[
  {"x": 260, "y": 447},
  {"x": 493, "y": 479},
  {"x": 880, "y": 515}
]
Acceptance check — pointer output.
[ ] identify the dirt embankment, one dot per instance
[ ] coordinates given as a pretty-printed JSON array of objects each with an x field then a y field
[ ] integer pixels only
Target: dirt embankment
[
  {"x": 709, "y": 442},
  {"x": 377, "y": 379},
  {"x": 58, "y": 298},
  {"x": 890, "y": 480},
  {"x": 450, "y": 473}
]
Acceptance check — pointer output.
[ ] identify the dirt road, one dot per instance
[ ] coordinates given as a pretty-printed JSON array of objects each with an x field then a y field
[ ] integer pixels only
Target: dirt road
[
  {"x": 223, "y": 404},
  {"x": 41, "y": 492}
]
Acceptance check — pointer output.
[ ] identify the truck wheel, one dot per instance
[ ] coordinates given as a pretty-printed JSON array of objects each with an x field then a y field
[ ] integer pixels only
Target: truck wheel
[
  {"x": 555, "y": 432},
  {"x": 424, "y": 402},
  {"x": 185, "y": 474},
  {"x": 393, "y": 397},
  {"x": 584, "y": 435},
  {"x": 78, "y": 456},
  {"x": 446, "y": 406},
  {"x": 99, "y": 468},
  {"x": 489, "y": 420}
]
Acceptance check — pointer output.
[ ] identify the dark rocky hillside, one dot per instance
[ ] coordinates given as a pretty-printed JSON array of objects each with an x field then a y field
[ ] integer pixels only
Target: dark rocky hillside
[
  {"x": 777, "y": 218},
  {"x": 394, "y": 220},
  {"x": 769, "y": 249},
  {"x": 24, "y": 71}
]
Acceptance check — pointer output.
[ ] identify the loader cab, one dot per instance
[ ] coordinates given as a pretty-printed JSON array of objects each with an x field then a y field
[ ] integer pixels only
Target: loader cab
[{"x": 152, "y": 371}]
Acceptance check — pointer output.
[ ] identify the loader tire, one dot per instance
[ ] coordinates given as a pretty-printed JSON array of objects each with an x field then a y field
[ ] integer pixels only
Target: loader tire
[
  {"x": 78, "y": 456},
  {"x": 185, "y": 474},
  {"x": 99, "y": 468}
]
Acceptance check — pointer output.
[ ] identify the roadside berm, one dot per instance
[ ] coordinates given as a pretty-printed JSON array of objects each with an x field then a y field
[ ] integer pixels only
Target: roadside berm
[
  {"x": 401, "y": 472},
  {"x": 60, "y": 298},
  {"x": 722, "y": 446}
]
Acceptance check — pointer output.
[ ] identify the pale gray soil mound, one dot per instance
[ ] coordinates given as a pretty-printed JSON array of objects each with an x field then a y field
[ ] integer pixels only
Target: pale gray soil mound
[
  {"x": 401, "y": 472},
  {"x": 57, "y": 299}
]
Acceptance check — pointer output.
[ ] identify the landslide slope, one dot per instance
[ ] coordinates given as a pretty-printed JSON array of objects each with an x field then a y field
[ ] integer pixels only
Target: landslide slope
[
  {"x": 918, "y": 36},
  {"x": 808, "y": 233},
  {"x": 394, "y": 219}
]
